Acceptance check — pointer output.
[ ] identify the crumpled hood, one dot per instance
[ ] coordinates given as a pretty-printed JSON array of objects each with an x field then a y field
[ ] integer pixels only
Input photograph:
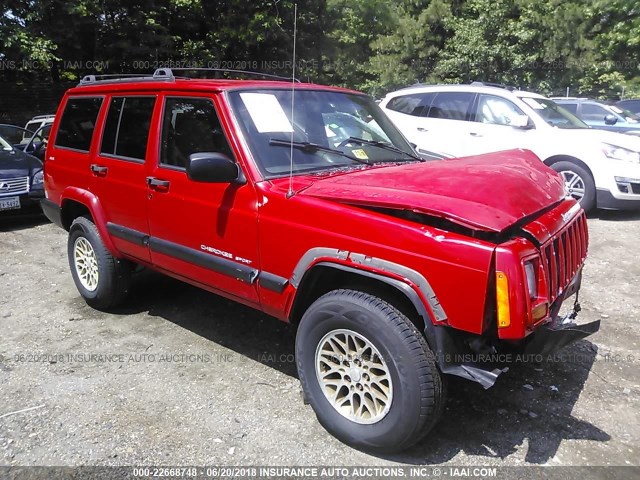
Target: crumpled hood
[{"x": 487, "y": 192}]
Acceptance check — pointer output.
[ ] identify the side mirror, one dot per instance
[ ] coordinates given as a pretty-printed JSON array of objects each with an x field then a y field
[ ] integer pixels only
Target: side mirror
[
  {"x": 213, "y": 167},
  {"x": 610, "y": 119},
  {"x": 521, "y": 121}
]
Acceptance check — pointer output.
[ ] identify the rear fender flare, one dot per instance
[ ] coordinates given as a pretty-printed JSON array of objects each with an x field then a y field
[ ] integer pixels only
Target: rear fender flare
[{"x": 91, "y": 202}]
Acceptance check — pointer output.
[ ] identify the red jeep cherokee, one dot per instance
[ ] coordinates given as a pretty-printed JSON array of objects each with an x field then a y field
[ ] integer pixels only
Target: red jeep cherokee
[{"x": 396, "y": 270}]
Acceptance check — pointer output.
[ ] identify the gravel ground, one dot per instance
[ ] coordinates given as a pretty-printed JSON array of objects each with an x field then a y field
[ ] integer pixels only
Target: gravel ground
[{"x": 183, "y": 377}]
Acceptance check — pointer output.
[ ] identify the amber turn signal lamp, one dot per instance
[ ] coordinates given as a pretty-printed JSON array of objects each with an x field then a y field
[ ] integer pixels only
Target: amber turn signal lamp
[{"x": 502, "y": 298}]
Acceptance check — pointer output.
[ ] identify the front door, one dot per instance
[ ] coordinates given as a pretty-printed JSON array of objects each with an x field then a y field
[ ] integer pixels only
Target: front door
[
  {"x": 202, "y": 232},
  {"x": 499, "y": 124}
]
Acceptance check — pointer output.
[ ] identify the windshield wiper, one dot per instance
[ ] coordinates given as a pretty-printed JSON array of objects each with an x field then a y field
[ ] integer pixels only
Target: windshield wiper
[
  {"x": 383, "y": 145},
  {"x": 308, "y": 147}
]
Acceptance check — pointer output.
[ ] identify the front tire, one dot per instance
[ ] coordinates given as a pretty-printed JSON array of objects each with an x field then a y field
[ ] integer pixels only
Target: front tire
[
  {"x": 367, "y": 372},
  {"x": 578, "y": 183},
  {"x": 102, "y": 280}
]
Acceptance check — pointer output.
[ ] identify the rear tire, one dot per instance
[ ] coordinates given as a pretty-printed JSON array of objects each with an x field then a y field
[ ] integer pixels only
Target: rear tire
[
  {"x": 102, "y": 280},
  {"x": 367, "y": 372},
  {"x": 578, "y": 183}
]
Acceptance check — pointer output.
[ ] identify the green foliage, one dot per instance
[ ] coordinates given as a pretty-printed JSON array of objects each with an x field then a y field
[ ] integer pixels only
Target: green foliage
[{"x": 590, "y": 46}]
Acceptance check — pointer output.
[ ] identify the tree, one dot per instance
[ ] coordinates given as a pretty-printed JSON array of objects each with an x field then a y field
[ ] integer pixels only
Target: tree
[
  {"x": 615, "y": 29},
  {"x": 407, "y": 53}
]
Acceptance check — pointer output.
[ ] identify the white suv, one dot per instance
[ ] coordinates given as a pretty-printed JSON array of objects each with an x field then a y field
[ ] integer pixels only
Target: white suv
[
  {"x": 36, "y": 123},
  {"x": 600, "y": 168}
]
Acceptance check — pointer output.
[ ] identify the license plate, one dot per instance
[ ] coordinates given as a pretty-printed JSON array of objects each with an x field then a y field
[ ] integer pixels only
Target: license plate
[{"x": 9, "y": 203}]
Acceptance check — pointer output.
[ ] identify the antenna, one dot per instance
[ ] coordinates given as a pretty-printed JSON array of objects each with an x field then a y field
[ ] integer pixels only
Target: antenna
[{"x": 291, "y": 193}]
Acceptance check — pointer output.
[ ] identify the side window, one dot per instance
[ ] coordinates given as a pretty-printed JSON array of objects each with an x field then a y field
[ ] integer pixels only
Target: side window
[
  {"x": 594, "y": 113},
  {"x": 416, "y": 104},
  {"x": 451, "y": 105},
  {"x": 190, "y": 125},
  {"x": 78, "y": 122},
  {"x": 126, "y": 130},
  {"x": 497, "y": 111},
  {"x": 571, "y": 107}
]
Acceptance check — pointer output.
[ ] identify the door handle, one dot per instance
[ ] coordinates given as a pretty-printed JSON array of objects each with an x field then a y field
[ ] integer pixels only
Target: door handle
[
  {"x": 158, "y": 184},
  {"x": 98, "y": 170},
  {"x": 475, "y": 134},
  {"x": 422, "y": 129}
]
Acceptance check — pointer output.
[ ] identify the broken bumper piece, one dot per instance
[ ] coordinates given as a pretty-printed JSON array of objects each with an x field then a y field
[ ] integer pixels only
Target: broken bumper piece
[
  {"x": 551, "y": 338},
  {"x": 546, "y": 340}
]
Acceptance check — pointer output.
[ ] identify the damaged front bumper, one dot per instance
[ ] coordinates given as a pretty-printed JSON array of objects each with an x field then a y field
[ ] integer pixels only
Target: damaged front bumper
[
  {"x": 457, "y": 355},
  {"x": 558, "y": 334}
]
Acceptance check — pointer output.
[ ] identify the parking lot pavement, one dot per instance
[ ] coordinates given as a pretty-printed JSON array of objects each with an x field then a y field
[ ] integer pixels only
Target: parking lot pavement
[{"x": 183, "y": 377}]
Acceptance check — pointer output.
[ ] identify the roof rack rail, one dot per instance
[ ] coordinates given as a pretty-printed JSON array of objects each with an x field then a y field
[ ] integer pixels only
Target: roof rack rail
[
  {"x": 496, "y": 85},
  {"x": 562, "y": 97},
  {"x": 168, "y": 72},
  {"x": 119, "y": 78}
]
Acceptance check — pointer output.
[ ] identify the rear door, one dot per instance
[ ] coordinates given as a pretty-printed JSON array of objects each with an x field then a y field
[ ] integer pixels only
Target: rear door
[
  {"x": 119, "y": 171},
  {"x": 445, "y": 124},
  {"x": 203, "y": 232},
  {"x": 409, "y": 113}
]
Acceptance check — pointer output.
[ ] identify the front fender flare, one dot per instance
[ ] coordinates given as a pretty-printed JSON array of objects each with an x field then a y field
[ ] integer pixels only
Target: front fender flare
[{"x": 385, "y": 269}]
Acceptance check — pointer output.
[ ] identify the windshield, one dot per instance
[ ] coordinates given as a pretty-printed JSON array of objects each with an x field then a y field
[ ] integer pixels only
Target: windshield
[
  {"x": 329, "y": 130},
  {"x": 554, "y": 114},
  {"x": 626, "y": 114}
]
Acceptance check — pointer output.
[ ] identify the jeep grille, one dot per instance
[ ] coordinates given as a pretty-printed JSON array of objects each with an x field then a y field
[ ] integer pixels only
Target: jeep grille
[{"x": 564, "y": 254}]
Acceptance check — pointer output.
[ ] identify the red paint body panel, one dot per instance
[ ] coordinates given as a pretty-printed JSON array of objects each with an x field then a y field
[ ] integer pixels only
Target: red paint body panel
[
  {"x": 451, "y": 260},
  {"x": 255, "y": 224}
]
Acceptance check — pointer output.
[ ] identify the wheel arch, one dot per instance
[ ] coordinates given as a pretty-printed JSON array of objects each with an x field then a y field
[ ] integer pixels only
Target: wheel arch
[
  {"x": 72, "y": 209},
  {"x": 324, "y": 277},
  {"x": 77, "y": 203},
  {"x": 568, "y": 158}
]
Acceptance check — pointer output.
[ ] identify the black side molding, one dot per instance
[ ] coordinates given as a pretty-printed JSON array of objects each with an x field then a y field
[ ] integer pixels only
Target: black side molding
[
  {"x": 128, "y": 234},
  {"x": 52, "y": 211},
  {"x": 222, "y": 265},
  {"x": 238, "y": 271},
  {"x": 272, "y": 282}
]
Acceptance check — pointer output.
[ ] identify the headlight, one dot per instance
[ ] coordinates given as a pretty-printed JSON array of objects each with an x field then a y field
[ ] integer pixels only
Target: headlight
[
  {"x": 532, "y": 280},
  {"x": 38, "y": 178},
  {"x": 620, "y": 153}
]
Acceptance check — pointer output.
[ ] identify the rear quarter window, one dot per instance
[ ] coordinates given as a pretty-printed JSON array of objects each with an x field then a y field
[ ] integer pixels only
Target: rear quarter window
[
  {"x": 78, "y": 123},
  {"x": 414, "y": 105}
]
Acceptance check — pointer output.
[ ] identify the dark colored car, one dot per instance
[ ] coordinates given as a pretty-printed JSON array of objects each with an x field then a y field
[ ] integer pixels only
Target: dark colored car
[
  {"x": 34, "y": 143},
  {"x": 631, "y": 105},
  {"x": 602, "y": 115},
  {"x": 21, "y": 184}
]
